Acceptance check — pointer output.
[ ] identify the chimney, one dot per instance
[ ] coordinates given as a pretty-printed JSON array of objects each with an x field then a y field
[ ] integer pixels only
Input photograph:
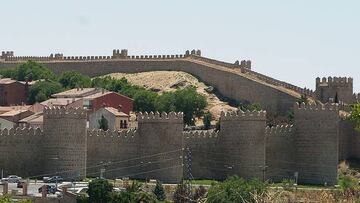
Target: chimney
[
  {"x": 102, "y": 90},
  {"x": 77, "y": 89},
  {"x": 120, "y": 108}
]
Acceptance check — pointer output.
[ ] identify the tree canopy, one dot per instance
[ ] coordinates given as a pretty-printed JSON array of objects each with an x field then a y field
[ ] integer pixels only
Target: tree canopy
[
  {"x": 355, "y": 115},
  {"x": 72, "y": 79},
  {"x": 43, "y": 90},
  {"x": 28, "y": 71}
]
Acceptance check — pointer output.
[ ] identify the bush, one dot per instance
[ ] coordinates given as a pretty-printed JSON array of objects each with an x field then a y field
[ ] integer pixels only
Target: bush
[
  {"x": 235, "y": 189},
  {"x": 207, "y": 120},
  {"x": 348, "y": 183},
  {"x": 100, "y": 191},
  {"x": 250, "y": 107},
  {"x": 288, "y": 184},
  {"x": 182, "y": 192},
  {"x": 159, "y": 191},
  {"x": 355, "y": 115}
]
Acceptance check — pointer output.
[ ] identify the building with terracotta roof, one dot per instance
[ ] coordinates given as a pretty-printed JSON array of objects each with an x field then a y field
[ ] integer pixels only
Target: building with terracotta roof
[
  {"x": 33, "y": 121},
  {"x": 116, "y": 119},
  {"x": 110, "y": 99},
  {"x": 63, "y": 102},
  {"x": 12, "y": 92},
  {"x": 77, "y": 93},
  {"x": 11, "y": 118},
  {"x": 95, "y": 98}
]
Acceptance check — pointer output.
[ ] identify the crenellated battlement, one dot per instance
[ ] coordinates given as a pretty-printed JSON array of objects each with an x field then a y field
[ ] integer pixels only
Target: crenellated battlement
[
  {"x": 241, "y": 115},
  {"x": 6, "y": 54},
  {"x": 172, "y": 116},
  {"x": 334, "y": 81},
  {"x": 279, "y": 130},
  {"x": 63, "y": 112},
  {"x": 112, "y": 133},
  {"x": 21, "y": 131},
  {"x": 317, "y": 107},
  {"x": 198, "y": 134}
]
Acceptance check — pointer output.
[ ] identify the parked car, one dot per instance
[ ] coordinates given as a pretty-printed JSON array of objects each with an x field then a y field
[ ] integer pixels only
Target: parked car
[
  {"x": 53, "y": 179},
  {"x": 50, "y": 189},
  {"x": 11, "y": 179},
  {"x": 78, "y": 190}
]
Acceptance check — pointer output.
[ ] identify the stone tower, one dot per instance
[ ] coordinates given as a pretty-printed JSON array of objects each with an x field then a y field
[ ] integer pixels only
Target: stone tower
[
  {"x": 316, "y": 143},
  {"x": 327, "y": 89},
  {"x": 65, "y": 142},
  {"x": 160, "y": 145},
  {"x": 242, "y": 138}
]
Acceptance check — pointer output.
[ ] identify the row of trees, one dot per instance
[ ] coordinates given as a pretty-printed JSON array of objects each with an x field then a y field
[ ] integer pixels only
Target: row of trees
[
  {"x": 233, "y": 189},
  {"x": 185, "y": 100}
]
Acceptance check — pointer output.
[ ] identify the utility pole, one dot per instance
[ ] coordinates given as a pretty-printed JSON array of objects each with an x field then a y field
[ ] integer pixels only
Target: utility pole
[
  {"x": 189, "y": 173},
  {"x": 263, "y": 169}
]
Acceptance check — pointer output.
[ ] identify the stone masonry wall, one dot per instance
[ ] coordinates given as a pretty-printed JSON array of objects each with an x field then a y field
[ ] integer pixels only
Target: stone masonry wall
[
  {"x": 280, "y": 153},
  {"x": 20, "y": 152},
  {"x": 114, "y": 151},
  {"x": 316, "y": 143},
  {"x": 207, "y": 159}
]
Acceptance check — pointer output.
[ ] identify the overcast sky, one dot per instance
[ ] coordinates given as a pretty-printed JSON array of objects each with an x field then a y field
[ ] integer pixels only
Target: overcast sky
[{"x": 290, "y": 40}]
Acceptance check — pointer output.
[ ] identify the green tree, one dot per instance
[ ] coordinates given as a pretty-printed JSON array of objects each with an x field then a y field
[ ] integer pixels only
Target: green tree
[
  {"x": 165, "y": 102},
  {"x": 250, "y": 107},
  {"x": 43, "y": 90},
  {"x": 190, "y": 102},
  {"x": 303, "y": 99},
  {"x": 355, "y": 115},
  {"x": 235, "y": 189},
  {"x": 336, "y": 100},
  {"x": 100, "y": 191},
  {"x": 72, "y": 79},
  {"x": 207, "y": 120},
  {"x": 159, "y": 191},
  {"x": 144, "y": 101},
  {"x": 29, "y": 71},
  {"x": 103, "y": 123}
]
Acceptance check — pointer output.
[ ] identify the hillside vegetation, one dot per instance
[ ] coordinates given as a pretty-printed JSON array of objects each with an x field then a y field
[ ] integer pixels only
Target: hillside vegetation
[{"x": 169, "y": 81}]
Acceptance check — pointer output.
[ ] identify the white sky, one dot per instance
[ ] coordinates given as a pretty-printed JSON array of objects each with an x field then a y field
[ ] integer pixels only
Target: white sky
[{"x": 294, "y": 41}]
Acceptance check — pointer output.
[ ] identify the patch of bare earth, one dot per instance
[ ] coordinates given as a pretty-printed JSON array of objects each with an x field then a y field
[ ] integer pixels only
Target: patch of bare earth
[{"x": 166, "y": 81}]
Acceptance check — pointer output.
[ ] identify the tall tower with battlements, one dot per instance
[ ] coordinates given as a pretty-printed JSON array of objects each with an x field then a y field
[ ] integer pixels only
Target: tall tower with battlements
[
  {"x": 330, "y": 89},
  {"x": 64, "y": 149}
]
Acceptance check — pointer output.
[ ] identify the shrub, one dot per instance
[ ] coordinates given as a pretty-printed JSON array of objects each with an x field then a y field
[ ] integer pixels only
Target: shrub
[
  {"x": 100, "y": 191},
  {"x": 207, "y": 120},
  {"x": 159, "y": 191},
  {"x": 235, "y": 189}
]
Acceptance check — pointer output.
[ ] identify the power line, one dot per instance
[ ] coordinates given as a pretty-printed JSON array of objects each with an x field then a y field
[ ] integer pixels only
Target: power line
[{"x": 98, "y": 165}]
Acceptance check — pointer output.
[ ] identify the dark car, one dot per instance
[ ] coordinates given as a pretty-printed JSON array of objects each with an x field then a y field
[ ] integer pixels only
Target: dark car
[
  {"x": 20, "y": 184},
  {"x": 54, "y": 179},
  {"x": 50, "y": 189}
]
